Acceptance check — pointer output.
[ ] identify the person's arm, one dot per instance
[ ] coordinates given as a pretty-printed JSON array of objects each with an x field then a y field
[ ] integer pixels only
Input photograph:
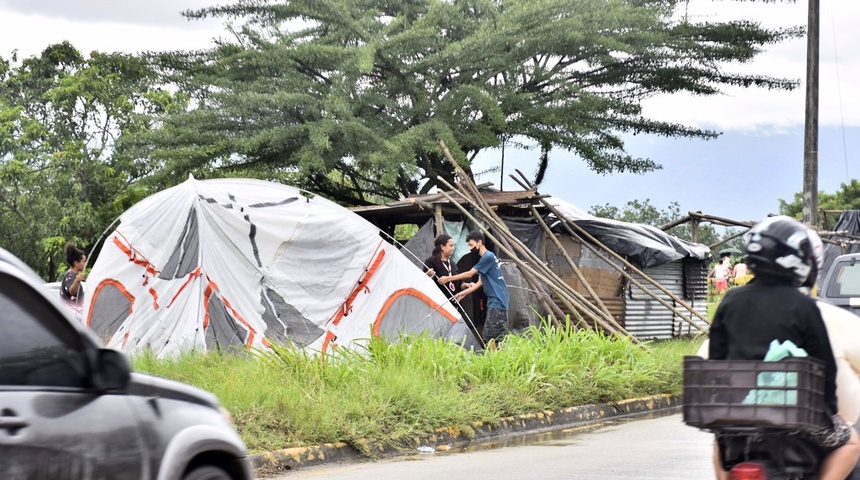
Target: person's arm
[
  {"x": 482, "y": 267},
  {"x": 70, "y": 285},
  {"x": 462, "y": 293},
  {"x": 428, "y": 268},
  {"x": 460, "y": 276},
  {"x": 73, "y": 288}
]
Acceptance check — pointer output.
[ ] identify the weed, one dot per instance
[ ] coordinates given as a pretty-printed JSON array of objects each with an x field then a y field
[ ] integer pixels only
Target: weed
[{"x": 392, "y": 392}]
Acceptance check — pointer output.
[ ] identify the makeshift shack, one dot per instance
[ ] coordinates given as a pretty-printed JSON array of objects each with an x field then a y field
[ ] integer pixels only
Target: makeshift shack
[{"x": 645, "y": 278}]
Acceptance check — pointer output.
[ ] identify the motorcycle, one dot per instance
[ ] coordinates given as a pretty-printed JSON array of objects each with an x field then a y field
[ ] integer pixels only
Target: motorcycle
[
  {"x": 759, "y": 411},
  {"x": 767, "y": 453}
]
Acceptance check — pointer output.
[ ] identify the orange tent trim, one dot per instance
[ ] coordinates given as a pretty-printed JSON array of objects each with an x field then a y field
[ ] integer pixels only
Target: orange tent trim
[{"x": 415, "y": 293}]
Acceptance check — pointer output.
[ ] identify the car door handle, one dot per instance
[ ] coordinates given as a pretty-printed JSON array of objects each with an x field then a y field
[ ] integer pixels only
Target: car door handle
[{"x": 12, "y": 424}]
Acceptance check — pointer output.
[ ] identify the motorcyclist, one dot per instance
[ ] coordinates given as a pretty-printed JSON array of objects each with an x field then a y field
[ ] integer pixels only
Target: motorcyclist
[
  {"x": 771, "y": 307},
  {"x": 843, "y": 330}
]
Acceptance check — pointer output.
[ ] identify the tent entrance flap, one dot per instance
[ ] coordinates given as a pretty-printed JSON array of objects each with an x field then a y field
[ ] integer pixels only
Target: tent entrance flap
[{"x": 409, "y": 311}]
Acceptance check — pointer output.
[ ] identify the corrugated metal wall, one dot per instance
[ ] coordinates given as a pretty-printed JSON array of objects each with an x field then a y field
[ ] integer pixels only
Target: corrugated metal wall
[{"x": 646, "y": 318}]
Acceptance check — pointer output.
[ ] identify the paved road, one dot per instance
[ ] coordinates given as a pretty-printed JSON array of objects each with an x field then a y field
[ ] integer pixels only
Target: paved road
[{"x": 646, "y": 449}]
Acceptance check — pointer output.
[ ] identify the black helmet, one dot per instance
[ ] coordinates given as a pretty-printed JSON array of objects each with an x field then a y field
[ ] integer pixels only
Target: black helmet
[{"x": 780, "y": 247}]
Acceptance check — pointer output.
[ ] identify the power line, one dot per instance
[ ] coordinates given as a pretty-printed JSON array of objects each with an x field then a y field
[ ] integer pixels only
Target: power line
[{"x": 839, "y": 93}]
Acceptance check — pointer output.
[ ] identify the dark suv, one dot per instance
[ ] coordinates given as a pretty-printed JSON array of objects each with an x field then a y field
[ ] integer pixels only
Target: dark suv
[
  {"x": 70, "y": 409},
  {"x": 841, "y": 285}
]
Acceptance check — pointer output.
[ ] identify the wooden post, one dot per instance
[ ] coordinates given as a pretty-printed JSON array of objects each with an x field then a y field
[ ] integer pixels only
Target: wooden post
[
  {"x": 438, "y": 219},
  {"x": 694, "y": 230},
  {"x": 810, "y": 126}
]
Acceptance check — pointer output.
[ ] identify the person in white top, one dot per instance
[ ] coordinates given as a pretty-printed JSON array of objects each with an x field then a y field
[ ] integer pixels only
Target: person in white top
[{"x": 720, "y": 272}]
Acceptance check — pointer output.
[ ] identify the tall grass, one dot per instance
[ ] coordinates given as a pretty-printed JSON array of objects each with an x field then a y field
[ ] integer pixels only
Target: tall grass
[{"x": 394, "y": 391}]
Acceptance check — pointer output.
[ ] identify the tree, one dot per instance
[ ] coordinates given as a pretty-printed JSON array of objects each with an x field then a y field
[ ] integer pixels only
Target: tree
[
  {"x": 64, "y": 172},
  {"x": 349, "y": 97},
  {"x": 846, "y": 198},
  {"x": 645, "y": 213}
]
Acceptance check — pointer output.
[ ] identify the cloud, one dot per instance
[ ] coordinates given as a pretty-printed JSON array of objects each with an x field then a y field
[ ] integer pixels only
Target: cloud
[
  {"x": 122, "y": 25},
  {"x": 159, "y": 13},
  {"x": 29, "y": 35},
  {"x": 758, "y": 110}
]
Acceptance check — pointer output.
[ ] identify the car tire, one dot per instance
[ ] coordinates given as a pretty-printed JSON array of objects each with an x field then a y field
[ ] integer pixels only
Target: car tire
[{"x": 207, "y": 472}]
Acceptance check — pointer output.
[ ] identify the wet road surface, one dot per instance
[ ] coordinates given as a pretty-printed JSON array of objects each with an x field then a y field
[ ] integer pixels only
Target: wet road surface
[{"x": 660, "y": 448}]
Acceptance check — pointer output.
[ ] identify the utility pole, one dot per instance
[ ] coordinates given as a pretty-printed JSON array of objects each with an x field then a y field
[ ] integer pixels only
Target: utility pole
[{"x": 810, "y": 130}]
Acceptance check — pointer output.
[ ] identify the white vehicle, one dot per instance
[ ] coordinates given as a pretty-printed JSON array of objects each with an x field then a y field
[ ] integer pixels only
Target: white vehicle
[{"x": 77, "y": 309}]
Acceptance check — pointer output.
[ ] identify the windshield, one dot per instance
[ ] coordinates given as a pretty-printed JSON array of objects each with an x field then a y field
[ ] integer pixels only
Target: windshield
[{"x": 846, "y": 280}]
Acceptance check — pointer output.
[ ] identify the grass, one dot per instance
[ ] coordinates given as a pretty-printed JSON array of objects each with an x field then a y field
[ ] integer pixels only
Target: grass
[{"x": 391, "y": 392}]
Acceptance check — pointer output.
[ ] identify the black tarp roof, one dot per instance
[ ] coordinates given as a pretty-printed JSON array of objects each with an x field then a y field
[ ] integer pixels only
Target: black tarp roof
[{"x": 645, "y": 246}]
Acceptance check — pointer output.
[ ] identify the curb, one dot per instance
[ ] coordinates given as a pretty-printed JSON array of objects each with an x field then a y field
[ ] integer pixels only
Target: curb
[{"x": 443, "y": 438}]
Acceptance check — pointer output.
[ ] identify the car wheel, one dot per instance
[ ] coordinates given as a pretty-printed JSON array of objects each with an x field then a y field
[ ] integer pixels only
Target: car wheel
[{"x": 207, "y": 472}]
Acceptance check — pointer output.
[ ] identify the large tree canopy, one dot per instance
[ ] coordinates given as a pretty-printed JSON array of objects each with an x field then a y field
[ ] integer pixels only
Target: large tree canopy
[
  {"x": 64, "y": 175},
  {"x": 349, "y": 97}
]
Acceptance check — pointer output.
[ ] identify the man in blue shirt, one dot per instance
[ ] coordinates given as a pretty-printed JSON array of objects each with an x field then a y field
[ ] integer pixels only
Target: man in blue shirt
[{"x": 491, "y": 279}]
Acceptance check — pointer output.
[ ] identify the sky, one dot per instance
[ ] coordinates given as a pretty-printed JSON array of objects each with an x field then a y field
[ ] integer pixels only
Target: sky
[{"x": 757, "y": 160}]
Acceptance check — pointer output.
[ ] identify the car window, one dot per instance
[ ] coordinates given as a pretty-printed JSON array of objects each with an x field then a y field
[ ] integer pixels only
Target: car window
[
  {"x": 847, "y": 281},
  {"x": 38, "y": 347}
]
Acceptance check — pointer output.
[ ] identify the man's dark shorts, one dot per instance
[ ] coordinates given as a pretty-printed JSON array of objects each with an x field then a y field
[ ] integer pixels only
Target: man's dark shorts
[{"x": 495, "y": 325}]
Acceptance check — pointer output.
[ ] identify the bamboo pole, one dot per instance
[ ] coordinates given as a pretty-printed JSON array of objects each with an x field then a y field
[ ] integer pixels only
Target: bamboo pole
[
  {"x": 550, "y": 307},
  {"x": 527, "y": 268},
  {"x": 563, "y": 290},
  {"x": 568, "y": 224},
  {"x": 677, "y": 222},
  {"x": 726, "y": 240},
  {"x": 481, "y": 204},
  {"x": 508, "y": 250},
  {"x": 569, "y": 260},
  {"x": 473, "y": 190}
]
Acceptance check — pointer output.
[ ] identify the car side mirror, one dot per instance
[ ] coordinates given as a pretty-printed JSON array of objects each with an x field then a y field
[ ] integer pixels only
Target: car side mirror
[{"x": 112, "y": 370}]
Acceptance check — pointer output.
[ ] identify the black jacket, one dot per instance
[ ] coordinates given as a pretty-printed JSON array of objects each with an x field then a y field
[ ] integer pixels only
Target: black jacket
[
  {"x": 750, "y": 317},
  {"x": 442, "y": 270}
]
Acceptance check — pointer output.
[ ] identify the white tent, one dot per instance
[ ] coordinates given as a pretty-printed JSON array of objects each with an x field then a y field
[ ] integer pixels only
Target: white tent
[{"x": 247, "y": 263}]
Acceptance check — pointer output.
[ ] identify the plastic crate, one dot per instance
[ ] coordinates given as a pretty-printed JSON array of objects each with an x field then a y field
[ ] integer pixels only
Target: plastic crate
[{"x": 785, "y": 394}]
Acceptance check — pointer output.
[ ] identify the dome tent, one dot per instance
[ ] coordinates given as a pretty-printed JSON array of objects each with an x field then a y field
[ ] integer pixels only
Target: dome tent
[{"x": 220, "y": 264}]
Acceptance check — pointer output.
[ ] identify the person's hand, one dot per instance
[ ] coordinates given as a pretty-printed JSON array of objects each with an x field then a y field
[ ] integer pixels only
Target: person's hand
[
  {"x": 81, "y": 277},
  {"x": 459, "y": 295},
  {"x": 465, "y": 285},
  {"x": 430, "y": 272},
  {"x": 444, "y": 280}
]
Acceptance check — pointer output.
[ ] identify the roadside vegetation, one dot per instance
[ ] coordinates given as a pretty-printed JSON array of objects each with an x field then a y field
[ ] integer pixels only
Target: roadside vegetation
[{"x": 394, "y": 391}]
